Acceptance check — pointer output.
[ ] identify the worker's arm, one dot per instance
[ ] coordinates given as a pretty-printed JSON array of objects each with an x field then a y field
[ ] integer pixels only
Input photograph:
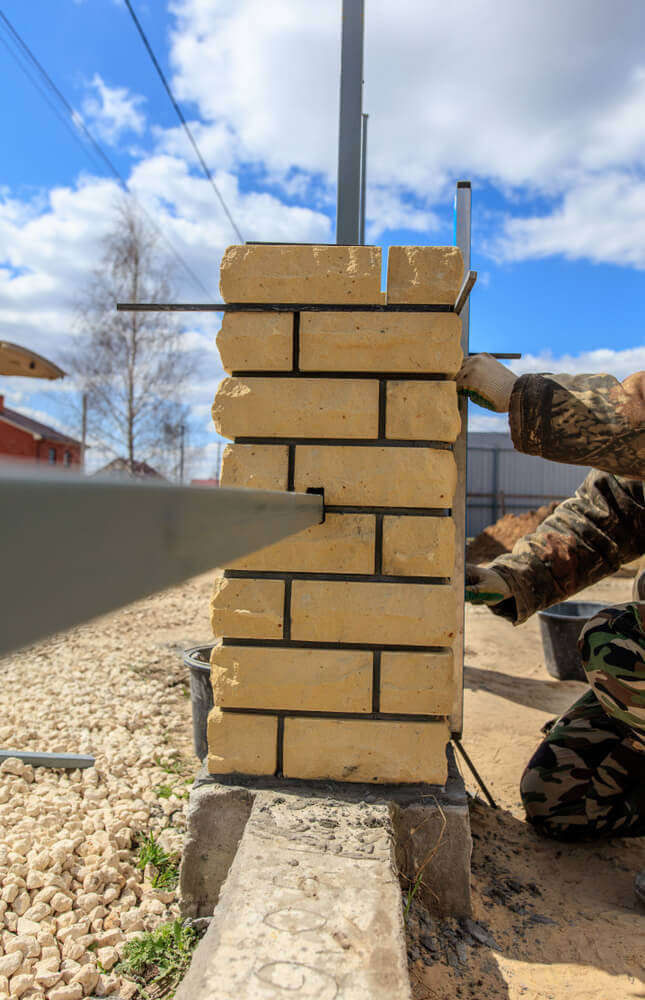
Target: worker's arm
[
  {"x": 586, "y": 538},
  {"x": 577, "y": 419}
]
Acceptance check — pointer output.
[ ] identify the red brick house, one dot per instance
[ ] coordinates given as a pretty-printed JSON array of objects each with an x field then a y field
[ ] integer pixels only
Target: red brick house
[{"x": 22, "y": 437}]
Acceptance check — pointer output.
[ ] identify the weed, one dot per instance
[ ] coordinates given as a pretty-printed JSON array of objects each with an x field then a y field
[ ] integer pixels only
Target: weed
[
  {"x": 151, "y": 852},
  {"x": 164, "y": 791},
  {"x": 157, "y": 960},
  {"x": 169, "y": 766}
]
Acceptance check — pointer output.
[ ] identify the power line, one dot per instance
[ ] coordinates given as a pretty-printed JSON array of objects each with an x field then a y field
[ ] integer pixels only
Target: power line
[
  {"x": 183, "y": 121},
  {"x": 81, "y": 126}
]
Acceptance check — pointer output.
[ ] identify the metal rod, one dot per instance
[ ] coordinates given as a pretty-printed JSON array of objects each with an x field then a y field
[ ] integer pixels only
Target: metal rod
[
  {"x": 279, "y": 307},
  {"x": 349, "y": 130},
  {"x": 364, "y": 118},
  {"x": 467, "y": 286},
  {"x": 478, "y": 778},
  {"x": 67, "y": 760},
  {"x": 95, "y": 545},
  {"x": 460, "y": 451}
]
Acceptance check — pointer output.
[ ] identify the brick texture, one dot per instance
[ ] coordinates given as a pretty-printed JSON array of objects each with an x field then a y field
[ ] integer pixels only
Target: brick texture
[
  {"x": 344, "y": 543},
  {"x": 242, "y": 744},
  {"x": 302, "y": 407},
  {"x": 417, "y": 683},
  {"x": 256, "y": 341},
  {"x": 382, "y": 477},
  {"x": 365, "y": 750},
  {"x": 248, "y": 609},
  {"x": 318, "y": 274},
  {"x": 257, "y": 466},
  {"x": 335, "y": 657},
  {"x": 380, "y": 342},
  {"x": 413, "y": 614},
  {"x": 311, "y": 680}
]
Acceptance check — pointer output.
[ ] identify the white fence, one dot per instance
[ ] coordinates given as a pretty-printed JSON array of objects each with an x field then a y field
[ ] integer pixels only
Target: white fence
[{"x": 504, "y": 481}]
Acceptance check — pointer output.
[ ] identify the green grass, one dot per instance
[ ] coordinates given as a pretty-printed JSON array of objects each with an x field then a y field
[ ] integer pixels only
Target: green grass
[
  {"x": 150, "y": 851},
  {"x": 170, "y": 766},
  {"x": 164, "y": 791},
  {"x": 158, "y": 960}
]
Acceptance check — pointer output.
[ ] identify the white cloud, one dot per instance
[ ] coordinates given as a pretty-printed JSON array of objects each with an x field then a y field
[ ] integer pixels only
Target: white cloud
[
  {"x": 112, "y": 111},
  {"x": 603, "y": 361}
]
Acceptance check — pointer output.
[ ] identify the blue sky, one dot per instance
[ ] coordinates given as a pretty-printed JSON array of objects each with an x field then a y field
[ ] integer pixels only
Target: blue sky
[{"x": 542, "y": 107}]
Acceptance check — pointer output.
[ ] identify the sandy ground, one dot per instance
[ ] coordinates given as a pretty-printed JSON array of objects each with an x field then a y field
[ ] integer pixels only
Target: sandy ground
[{"x": 563, "y": 920}]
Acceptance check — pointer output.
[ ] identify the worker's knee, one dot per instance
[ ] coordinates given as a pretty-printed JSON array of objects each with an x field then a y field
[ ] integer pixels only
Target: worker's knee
[{"x": 612, "y": 649}]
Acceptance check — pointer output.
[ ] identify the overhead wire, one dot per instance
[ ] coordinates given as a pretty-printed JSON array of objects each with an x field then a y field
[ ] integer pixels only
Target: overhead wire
[
  {"x": 183, "y": 121},
  {"x": 82, "y": 127}
]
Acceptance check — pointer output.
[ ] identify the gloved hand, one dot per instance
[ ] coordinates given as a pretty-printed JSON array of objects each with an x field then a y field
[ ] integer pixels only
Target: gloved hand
[
  {"x": 487, "y": 382},
  {"x": 485, "y": 586}
]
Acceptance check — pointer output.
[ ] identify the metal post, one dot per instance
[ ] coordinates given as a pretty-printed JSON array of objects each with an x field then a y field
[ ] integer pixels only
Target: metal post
[
  {"x": 462, "y": 240},
  {"x": 349, "y": 133},
  {"x": 182, "y": 431},
  {"x": 363, "y": 175}
]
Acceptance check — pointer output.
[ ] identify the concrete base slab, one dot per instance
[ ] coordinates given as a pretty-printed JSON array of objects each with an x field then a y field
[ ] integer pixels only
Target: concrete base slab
[
  {"x": 307, "y": 878},
  {"x": 311, "y": 907}
]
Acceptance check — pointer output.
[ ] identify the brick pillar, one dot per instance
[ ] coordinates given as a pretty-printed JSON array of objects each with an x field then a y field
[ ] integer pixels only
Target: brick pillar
[{"x": 334, "y": 656}]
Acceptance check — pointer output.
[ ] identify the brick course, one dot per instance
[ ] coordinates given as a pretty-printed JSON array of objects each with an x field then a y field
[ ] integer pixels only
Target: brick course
[{"x": 337, "y": 640}]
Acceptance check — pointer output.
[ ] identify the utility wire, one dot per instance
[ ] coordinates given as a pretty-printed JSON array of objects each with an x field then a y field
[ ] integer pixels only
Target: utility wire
[
  {"x": 80, "y": 125},
  {"x": 183, "y": 121}
]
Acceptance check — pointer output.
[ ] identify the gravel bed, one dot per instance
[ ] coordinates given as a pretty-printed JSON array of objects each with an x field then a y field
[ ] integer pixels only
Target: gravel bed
[{"x": 71, "y": 894}]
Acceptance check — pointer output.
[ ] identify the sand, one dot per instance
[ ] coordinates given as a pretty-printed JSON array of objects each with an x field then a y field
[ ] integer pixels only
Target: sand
[{"x": 564, "y": 920}]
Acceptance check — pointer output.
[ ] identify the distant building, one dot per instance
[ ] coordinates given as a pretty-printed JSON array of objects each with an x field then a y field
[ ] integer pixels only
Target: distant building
[
  {"x": 123, "y": 467},
  {"x": 22, "y": 437},
  {"x": 204, "y": 482}
]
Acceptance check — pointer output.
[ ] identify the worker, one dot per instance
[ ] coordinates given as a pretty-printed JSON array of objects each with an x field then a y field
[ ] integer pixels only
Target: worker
[{"x": 587, "y": 777}]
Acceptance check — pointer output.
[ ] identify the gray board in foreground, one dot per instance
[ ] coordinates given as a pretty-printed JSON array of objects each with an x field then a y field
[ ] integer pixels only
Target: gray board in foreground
[{"x": 74, "y": 548}]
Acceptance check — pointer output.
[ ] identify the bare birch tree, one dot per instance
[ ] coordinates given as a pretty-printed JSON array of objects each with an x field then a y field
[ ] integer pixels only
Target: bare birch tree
[{"x": 131, "y": 364}]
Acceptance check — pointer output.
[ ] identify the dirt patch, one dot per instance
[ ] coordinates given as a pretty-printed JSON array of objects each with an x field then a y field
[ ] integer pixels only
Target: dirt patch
[
  {"x": 501, "y": 536},
  {"x": 551, "y": 921}
]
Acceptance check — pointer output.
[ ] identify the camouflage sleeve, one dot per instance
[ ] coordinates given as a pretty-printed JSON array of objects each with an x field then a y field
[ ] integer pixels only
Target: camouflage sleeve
[
  {"x": 582, "y": 419},
  {"x": 586, "y": 538}
]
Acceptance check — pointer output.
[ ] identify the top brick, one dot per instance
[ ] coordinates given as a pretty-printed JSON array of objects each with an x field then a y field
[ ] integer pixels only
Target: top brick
[
  {"x": 424, "y": 275},
  {"x": 307, "y": 274}
]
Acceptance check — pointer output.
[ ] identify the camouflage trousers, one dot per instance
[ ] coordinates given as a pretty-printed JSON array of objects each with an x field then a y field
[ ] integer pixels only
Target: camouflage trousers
[{"x": 587, "y": 777}]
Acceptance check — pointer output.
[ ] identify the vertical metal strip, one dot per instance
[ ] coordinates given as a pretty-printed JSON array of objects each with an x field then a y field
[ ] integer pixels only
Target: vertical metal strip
[
  {"x": 462, "y": 240},
  {"x": 349, "y": 130}
]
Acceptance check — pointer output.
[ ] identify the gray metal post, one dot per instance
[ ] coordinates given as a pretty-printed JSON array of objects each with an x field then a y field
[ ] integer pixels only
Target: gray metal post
[
  {"x": 349, "y": 133},
  {"x": 462, "y": 240},
  {"x": 363, "y": 175}
]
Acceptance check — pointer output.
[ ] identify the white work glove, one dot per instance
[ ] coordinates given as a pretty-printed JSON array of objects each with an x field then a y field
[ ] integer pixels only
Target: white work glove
[
  {"x": 485, "y": 586},
  {"x": 488, "y": 383}
]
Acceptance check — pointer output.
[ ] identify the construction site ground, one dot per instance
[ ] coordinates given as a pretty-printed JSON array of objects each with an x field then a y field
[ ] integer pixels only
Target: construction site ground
[{"x": 550, "y": 920}]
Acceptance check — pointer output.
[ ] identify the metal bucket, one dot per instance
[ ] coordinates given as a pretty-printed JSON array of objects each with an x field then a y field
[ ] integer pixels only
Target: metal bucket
[
  {"x": 201, "y": 694},
  {"x": 560, "y": 626}
]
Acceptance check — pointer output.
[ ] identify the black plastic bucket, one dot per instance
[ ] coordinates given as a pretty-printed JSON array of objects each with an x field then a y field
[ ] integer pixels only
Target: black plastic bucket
[
  {"x": 560, "y": 626},
  {"x": 201, "y": 694}
]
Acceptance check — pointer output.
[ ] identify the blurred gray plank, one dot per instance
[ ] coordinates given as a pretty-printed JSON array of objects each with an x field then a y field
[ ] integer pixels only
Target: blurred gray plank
[{"x": 73, "y": 548}]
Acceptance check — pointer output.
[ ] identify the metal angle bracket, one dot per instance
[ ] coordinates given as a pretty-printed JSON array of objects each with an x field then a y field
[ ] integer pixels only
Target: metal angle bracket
[{"x": 466, "y": 288}]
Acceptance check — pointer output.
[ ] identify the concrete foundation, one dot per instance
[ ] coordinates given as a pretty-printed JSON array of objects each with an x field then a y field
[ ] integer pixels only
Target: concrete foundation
[{"x": 305, "y": 882}]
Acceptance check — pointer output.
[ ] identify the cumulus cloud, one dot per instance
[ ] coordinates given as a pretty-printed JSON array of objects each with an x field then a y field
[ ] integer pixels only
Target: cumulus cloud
[{"x": 112, "y": 112}]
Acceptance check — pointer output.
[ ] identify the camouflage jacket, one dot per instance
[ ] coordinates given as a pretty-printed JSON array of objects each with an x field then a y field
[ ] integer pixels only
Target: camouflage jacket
[{"x": 582, "y": 420}]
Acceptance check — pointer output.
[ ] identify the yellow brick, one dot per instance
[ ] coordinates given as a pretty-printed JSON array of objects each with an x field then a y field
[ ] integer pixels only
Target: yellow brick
[
  {"x": 343, "y": 544},
  {"x": 365, "y": 750},
  {"x": 302, "y": 274},
  {"x": 414, "y": 614},
  {"x": 417, "y": 683},
  {"x": 242, "y": 744},
  {"x": 248, "y": 609},
  {"x": 312, "y": 680},
  {"x": 422, "y": 411},
  {"x": 418, "y": 546},
  {"x": 249, "y": 341},
  {"x": 296, "y": 407},
  {"x": 380, "y": 342},
  {"x": 429, "y": 275},
  {"x": 261, "y": 466},
  {"x": 375, "y": 476}
]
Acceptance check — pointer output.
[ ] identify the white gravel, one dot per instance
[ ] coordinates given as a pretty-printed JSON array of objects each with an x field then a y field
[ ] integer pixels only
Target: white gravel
[{"x": 70, "y": 893}]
